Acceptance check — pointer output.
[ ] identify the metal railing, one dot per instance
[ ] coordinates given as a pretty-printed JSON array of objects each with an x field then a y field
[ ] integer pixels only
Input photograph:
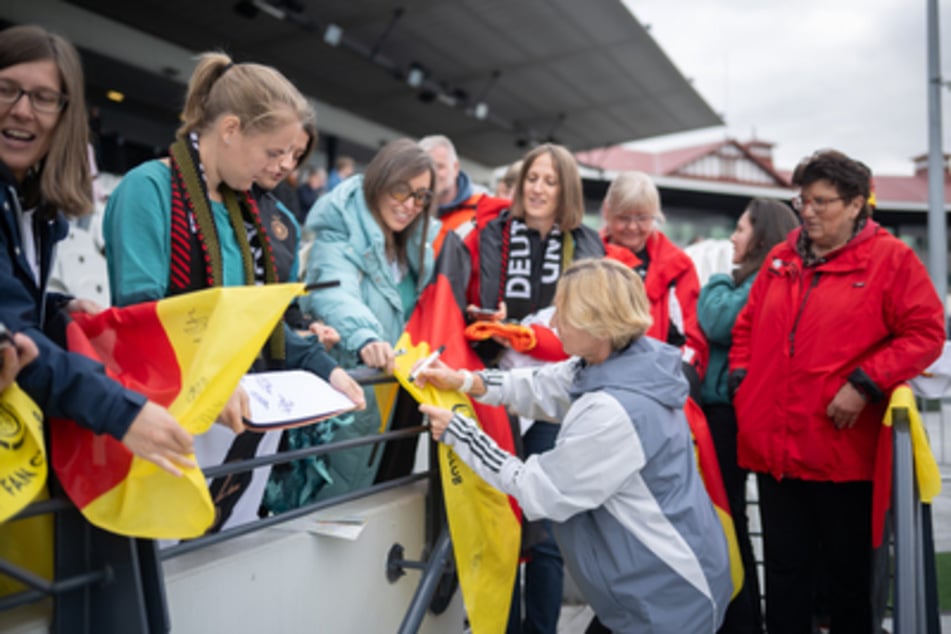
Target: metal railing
[
  {"x": 105, "y": 583},
  {"x": 916, "y": 593}
]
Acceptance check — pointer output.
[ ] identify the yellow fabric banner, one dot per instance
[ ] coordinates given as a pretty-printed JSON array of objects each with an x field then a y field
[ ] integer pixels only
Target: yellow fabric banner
[
  {"x": 926, "y": 467},
  {"x": 27, "y": 543},
  {"x": 486, "y": 534},
  {"x": 22, "y": 451}
]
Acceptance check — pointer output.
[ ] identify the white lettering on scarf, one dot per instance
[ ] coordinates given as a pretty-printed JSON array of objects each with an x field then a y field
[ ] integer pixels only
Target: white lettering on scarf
[
  {"x": 551, "y": 267},
  {"x": 518, "y": 277}
]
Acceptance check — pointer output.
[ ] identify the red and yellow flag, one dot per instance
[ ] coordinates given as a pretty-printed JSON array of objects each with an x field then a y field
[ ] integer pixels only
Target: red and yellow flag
[
  {"x": 186, "y": 353},
  {"x": 485, "y": 525},
  {"x": 709, "y": 468}
]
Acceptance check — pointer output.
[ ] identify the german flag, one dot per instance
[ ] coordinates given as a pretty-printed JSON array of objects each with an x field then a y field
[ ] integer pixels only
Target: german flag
[
  {"x": 485, "y": 525},
  {"x": 186, "y": 353},
  {"x": 709, "y": 469}
]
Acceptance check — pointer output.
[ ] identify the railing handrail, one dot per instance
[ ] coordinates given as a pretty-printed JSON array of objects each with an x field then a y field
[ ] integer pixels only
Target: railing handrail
[{"x": 39, "y": 588}]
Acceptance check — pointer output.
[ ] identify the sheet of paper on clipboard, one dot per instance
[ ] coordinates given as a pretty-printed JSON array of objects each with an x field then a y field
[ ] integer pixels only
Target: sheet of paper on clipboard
[{"x": 291, "y": 398}]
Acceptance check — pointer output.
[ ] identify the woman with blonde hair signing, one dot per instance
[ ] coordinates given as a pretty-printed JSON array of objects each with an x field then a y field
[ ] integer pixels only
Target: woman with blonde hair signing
[
  {"x": 630, "y": 513},
  {"x": 522, "y": 255},
  {"x": 632, "y": 215}
]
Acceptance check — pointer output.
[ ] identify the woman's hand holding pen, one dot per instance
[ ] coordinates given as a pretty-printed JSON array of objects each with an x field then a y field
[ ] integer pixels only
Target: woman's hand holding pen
[{"x": 438, "y": 373}]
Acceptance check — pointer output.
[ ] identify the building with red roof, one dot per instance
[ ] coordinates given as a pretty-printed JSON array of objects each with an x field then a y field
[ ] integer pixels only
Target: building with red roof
[{"x": 704, "y": 188}]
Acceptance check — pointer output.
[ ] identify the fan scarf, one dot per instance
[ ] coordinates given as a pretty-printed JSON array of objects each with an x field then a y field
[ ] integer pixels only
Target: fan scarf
[{"x": 196, "y": 252}]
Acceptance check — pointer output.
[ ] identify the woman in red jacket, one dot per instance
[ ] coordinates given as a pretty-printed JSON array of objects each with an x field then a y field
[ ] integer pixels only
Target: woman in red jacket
[
  {"x": 840, "y": 314},
  {"x": 632, "y": 216}
]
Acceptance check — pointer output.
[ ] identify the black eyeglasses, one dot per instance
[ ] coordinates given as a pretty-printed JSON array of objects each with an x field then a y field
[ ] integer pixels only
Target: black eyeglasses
[
  {"x": 401, "y": 192},
  {"x": 42, "y": 99}
]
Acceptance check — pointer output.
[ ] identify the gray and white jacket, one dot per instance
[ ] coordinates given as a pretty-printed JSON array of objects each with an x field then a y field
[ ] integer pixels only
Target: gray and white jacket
[{"x": 635, "y": 525}]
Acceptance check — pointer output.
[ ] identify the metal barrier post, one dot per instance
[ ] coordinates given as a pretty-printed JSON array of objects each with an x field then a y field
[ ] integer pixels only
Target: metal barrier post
[
  {"x": 907, "y": 529},
  {"x": 427, "y": 585}
]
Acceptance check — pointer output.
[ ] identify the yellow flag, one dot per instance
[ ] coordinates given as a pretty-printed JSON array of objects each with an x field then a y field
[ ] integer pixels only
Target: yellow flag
[
  {"x": 486, "y": 534},
  {"x": 27, "y": 543},
  {"x": 22, "y": 451},
  {"x": 926, "y": 468}
]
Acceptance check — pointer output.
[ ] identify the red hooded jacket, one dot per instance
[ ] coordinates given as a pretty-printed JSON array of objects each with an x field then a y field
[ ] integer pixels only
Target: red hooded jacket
[
  {"x": 868, "y": 314},
  {"x": 672, "y": 288}
]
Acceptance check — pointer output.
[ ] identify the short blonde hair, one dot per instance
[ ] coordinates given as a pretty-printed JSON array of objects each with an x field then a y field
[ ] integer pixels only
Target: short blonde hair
[
  {"x": 632, "y": 191},
  {"x": 604, "y": 298}
]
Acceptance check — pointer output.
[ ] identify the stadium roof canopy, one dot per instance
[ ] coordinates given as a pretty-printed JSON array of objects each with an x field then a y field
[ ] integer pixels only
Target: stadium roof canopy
[{"x": 494, "y": 75}]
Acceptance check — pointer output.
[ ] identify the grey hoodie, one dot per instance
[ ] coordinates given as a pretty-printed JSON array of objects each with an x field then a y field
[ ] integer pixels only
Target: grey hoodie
[{"x": 634, "y": 523}]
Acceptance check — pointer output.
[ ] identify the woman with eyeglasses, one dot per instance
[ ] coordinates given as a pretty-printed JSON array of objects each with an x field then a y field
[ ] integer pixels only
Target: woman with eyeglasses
[
  {"x": 44, "y": 178},
  {"x": 632, "y": 217},
  {"x": 373, "y": 235},
  {"x": 839, "y": 315},
  {"x": 763, "y": 224}
]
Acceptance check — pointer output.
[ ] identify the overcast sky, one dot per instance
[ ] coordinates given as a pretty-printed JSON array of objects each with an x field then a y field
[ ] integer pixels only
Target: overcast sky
[{"x": 805, "y": 74}]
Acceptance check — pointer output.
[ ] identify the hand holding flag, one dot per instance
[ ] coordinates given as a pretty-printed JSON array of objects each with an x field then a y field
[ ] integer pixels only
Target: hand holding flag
[
  {"x": 156, "y": 436},
  {"x": 186, "y": 353}
]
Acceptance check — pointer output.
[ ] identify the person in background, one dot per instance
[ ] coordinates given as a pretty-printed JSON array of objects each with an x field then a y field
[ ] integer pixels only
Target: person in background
[
  {"x": 373, "y": 235},
  {"x": 632, "y": 216},
  {"x": 310, "y": 190},
  {"x": 16, "y": 352},
  {"x": 506, "y": 185},
  {"x": 523, "y": 253},
  {"x": 344, "y": 167},
  {"x": 620, "y": 485},
  {"x": 280, "y": 221},
  {"x": 839, "y": 315},
  {"x": 763, "y": 224},
  {"x": 463, "y": 209},
  {"x": 284, "y": 232},
  {"x": 44, "y": 177}
]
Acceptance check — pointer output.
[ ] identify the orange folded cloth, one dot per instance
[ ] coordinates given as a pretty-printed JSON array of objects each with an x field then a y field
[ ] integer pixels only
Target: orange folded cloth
[{"x": 521, "y": 337}]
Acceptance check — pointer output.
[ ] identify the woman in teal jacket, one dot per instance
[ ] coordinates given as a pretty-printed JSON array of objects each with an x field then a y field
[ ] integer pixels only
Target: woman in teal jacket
[
  {"x": 374, "y": 235},
  {"x": 763, "y": 224}
]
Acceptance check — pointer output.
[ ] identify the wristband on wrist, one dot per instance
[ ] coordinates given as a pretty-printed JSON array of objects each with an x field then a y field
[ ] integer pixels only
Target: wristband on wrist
[{"x": 467, "y": 379}]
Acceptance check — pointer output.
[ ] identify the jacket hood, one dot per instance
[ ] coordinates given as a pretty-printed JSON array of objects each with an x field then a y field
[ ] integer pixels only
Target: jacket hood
[
  {"x": 865, "y": 233},
  {"x": 646, "y": 367},
  {"x": 463, "y": 193}
]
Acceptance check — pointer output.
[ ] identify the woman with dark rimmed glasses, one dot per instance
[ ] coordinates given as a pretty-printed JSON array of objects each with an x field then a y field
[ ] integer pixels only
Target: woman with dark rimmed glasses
[
  {"x": 374, "y": 235},
  {"x": 44, "y": 178}
]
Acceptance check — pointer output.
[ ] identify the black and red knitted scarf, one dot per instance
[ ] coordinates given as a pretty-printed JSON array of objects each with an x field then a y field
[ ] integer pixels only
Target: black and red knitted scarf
[{"x": 196, "y": 250}]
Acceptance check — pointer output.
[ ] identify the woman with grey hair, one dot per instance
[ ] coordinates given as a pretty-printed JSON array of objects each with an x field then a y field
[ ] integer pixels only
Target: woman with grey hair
[{"x": 632, "y": 217}]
